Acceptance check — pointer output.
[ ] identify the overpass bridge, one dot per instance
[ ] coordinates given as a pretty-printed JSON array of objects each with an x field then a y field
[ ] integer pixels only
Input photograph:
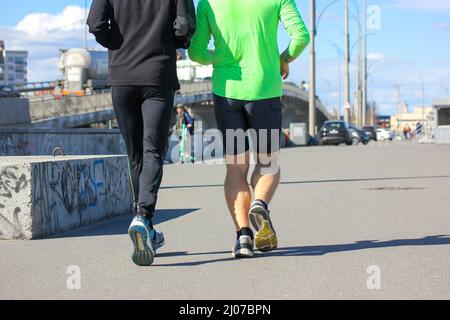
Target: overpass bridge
[
  {"x": 45, "y": 123},
  {"x": 77, "y": 112}
]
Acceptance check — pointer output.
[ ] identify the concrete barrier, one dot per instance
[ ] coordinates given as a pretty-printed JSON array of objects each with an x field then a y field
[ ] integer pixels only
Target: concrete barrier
[
  {"x": 41, "y": 141},
  {"x": 14, "y": 111},
  {"x": 42, "y": 196},
  {"x": 16, "y": 142}
]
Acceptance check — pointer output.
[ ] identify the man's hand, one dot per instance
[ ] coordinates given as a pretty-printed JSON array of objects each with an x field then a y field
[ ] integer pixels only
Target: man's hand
[{"x": 284, "y": 67}]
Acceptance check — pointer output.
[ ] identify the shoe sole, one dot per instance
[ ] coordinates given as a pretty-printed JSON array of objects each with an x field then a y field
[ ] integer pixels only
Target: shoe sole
[
  {"x": 265, "y": 238},
  {"x": 243, "y": 254},
  {"x": 142, "y": 255}
]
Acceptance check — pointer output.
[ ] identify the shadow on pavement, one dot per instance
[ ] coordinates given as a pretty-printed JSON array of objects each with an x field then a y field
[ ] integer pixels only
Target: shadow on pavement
[
  {"x": 317, "y": 181},
  {"x": 320, "y": 250},
  {"x": 120, "y": 225}
]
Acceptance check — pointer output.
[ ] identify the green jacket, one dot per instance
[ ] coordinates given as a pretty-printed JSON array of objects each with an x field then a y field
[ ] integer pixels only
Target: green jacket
[{"x": 246, "y": 58}]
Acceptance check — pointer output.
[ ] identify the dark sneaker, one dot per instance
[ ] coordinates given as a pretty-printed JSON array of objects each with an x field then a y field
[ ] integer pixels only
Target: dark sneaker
[
  {"x": 158, "y": 240},
  {"x": 266, "y": 237},
  {"x": 243, "y": 247},
  {"x": 143, "y": 253}
]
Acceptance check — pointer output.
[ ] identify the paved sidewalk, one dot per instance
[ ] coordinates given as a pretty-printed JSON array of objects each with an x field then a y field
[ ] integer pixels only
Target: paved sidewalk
[{"x": 338, "y": 211}]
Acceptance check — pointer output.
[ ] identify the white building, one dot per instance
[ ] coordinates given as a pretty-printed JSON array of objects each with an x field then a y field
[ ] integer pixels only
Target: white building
[
  {"x": 192, "y": 71},
  {"x": 423, "y": 115},
  {"x": 13, "y": 66},
  {"x": 442, "y": 120}
]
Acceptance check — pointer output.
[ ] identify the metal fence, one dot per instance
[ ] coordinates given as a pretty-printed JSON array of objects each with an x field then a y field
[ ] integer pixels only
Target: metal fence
[
  {"x": 48, "y": 108},
  {"x": 42, "y": 108}
]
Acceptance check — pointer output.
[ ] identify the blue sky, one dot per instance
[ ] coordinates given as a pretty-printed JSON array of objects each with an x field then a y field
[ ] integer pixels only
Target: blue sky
[{"x": 412, "y": 47}]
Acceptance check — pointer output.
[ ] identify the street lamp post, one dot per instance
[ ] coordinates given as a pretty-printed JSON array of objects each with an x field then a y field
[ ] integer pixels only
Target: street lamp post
[
  {"x": 397, "y": 86},
  {"x": 312, "y": 64},
  {"x": 86, "y": 32},
  {"x": 359, "y": 80},
  {"x": 364, "y": 86},
  {"x": 312, "y": 73},
  {"x": 339, "y": 83},
  {"x": 423, "y": 97},
  {"x": 340, "y": 55},
  {"x": 347, "y": 66},
  {"x": 372, "y": 113},
  {"x": 358, "y": 97}
]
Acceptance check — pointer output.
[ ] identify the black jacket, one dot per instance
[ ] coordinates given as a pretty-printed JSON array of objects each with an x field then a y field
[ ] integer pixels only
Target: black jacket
[{"x": 142, "y": 37}]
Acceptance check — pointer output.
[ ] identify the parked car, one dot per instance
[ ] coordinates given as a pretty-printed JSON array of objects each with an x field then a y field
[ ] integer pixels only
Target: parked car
[
  {"x": 359, "y": 136},
  {"x": 385, "y": 134},
  {"x": 335, "y": 132},
  {"x": 371, "y": 131},
  {"x": 9, "y": 92}
]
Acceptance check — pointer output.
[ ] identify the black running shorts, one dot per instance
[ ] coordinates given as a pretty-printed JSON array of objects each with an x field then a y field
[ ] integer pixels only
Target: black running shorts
[{"x": 261, "y": 120}]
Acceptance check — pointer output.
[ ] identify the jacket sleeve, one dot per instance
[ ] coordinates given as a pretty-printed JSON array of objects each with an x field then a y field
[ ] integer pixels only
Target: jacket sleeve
[
  {"x": 99, "y": 21},
  {"x": 295, "y": 27},
  {"x": 188, "y": 118},
  {"x": 198, "y": 50},
  {"x": 185, "y": 23}
]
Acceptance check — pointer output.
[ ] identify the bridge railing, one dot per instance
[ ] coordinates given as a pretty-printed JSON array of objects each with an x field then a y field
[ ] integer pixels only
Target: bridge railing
[
  {"x": 190, "y": 88},
  {"x": 48, "y": 108},
  {"x": 36, "y": 86},
  {"x": 43, "y": 108}
]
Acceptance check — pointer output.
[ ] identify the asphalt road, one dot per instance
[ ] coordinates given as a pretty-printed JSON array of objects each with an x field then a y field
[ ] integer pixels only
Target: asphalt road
[{"x": 345, "y": 216}]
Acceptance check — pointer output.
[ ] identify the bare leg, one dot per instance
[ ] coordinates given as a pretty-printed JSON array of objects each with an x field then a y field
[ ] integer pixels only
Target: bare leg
[
  {"x": 265, "y": 180},
  {"x": 237, "y": 191}
]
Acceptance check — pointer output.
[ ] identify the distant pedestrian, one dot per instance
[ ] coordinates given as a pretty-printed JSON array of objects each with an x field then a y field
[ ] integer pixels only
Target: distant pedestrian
[
  {"x": 185, "y": 129},
  {"x": 419, "y": 129}
]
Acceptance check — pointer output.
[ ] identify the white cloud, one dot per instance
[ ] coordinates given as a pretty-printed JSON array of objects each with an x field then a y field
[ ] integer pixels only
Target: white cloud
[
  {"x": 443, "y": 26},
  {"x": 44, "y": 69},
  {"x": 376, "y": 56},
  {"x": 49, "y": 27},
  {"x": 43, "y": 35},
  {"x": 385, "y": 71}
]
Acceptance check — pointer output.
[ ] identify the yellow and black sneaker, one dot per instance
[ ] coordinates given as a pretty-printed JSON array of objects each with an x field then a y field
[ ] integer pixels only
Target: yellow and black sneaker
[{"x": 266, "y": 237}]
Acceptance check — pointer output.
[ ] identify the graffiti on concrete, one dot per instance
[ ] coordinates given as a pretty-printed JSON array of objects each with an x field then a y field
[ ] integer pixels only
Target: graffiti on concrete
[
  {"x": 63, "y": 189},
  {"x": 12, "y": 227},
  {"x": 11, "y": 145},
  {"x": 110, "y": 180},
  {"x": 62, "y": 195},
  {"x": 12, "y": 182},
  {"x": 37, "y": 143}
]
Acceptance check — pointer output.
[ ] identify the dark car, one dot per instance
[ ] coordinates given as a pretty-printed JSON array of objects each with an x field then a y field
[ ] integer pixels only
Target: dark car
[
  {"x": 359, "y": 136},
  {"x": 372, "y": 131},
  {"x": 335, "y": 132},
  {"x": 9, "y": 92}
]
